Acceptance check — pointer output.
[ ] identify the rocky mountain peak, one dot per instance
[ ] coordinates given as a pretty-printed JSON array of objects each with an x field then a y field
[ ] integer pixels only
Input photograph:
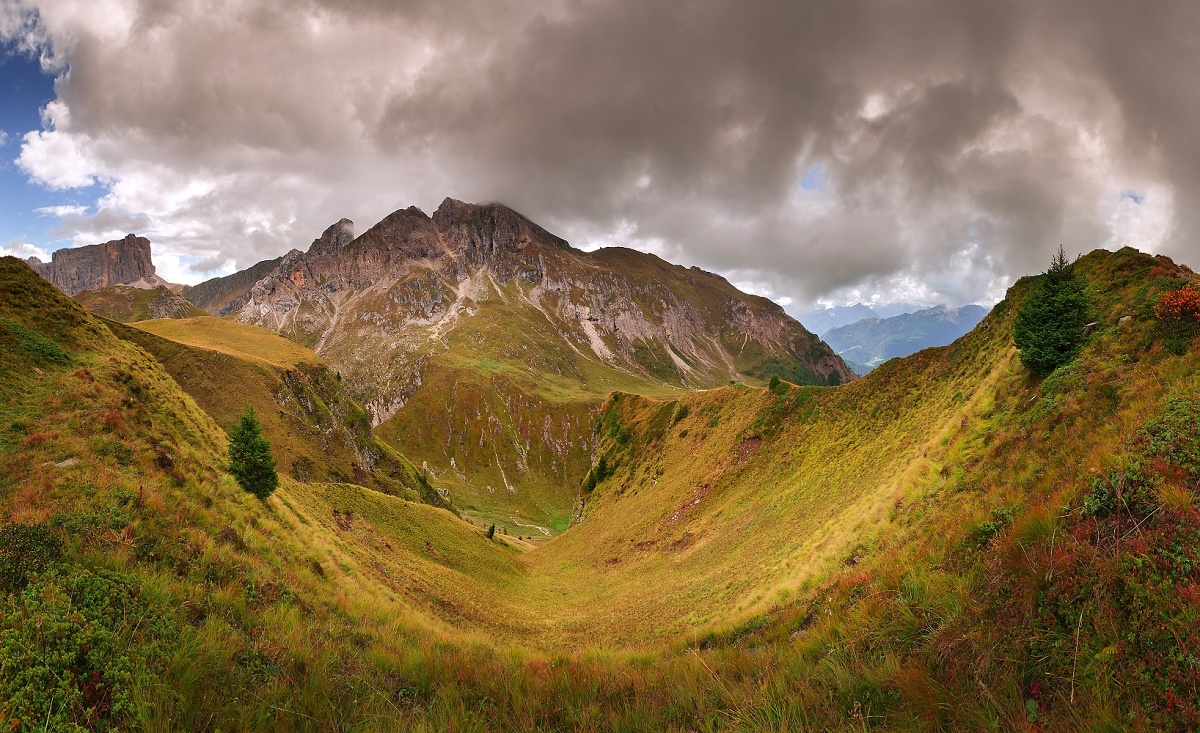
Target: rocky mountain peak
[
  {"x": 335, "y": 237},
  {"x": 480, "y": 231},
  {"x": 119, "y": 262}
]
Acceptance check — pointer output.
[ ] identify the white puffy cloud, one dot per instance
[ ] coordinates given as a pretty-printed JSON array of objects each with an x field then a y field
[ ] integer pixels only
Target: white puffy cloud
[
  {"x": 24, "y": 250},
  {"x": 58, "y": 157}
]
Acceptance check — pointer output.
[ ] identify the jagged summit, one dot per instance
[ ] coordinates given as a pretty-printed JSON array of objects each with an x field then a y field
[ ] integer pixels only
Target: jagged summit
[
  {"x": 119, "y": 262},
  {"x": 413, "y": 277},
  {"x": 488, "y": 227},
  {"x": 336, "y": 236}
]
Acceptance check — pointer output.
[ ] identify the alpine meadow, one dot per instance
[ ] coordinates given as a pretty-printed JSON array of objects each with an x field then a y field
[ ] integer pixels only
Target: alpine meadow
[{"x": 459, "y": 470}]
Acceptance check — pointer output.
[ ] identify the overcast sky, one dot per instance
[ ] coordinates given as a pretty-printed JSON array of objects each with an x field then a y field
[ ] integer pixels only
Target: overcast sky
[{"x": 921, "y": 150}]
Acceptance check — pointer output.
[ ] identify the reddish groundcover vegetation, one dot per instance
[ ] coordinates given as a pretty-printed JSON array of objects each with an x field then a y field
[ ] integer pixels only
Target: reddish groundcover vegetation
[{"x": 1180, "y": 305}]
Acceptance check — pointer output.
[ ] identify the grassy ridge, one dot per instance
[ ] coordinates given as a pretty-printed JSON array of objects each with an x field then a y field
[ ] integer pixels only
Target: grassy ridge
[
  {"x": 182, "y": 601},
  {"x": 316, "y": 431},
  {"x": 947, "y": 544},
  {"x": 235, "y": 339}
]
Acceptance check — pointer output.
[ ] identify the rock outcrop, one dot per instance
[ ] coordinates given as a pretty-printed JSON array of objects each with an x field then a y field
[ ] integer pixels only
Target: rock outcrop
[
  {"x": 224, "y": 295},
  {"x": 119, "y": 262},
  {"x": 221, "y": 296},
  {"x": 338, "y": 235}
]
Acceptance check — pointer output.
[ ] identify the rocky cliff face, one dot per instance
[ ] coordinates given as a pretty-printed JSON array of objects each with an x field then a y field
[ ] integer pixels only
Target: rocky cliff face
[
  {"x": 224, "y": 295},
  {"x": 119, "y": 262}
]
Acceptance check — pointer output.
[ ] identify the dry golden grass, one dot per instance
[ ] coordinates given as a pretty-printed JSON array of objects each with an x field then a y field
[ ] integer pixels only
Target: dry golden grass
[
  {"x": 233, "y": 338},
  {"x": 805, "y": 559}
]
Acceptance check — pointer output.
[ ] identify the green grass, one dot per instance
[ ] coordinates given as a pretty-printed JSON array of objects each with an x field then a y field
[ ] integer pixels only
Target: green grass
[
  {"x": 908, "y": 552},
  {"x": 498, "y": 397},
  {"x": 515, "y": 418}
]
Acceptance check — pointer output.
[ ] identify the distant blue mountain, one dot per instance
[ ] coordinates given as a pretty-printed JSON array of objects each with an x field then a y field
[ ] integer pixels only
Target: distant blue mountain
[
  {"x": 823, "y": 320},
  {"x": 867, "y": 343}
]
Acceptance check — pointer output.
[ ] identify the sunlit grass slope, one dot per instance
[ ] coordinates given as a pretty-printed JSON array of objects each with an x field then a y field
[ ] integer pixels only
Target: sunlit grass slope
[
  {"x": 179, "y": 601},
  {"x": 230, "y": 337},
  {"x": 726, "y": 502},
  {"x": 316, "y": 431},
  {"x": 1018, "y": 552}
]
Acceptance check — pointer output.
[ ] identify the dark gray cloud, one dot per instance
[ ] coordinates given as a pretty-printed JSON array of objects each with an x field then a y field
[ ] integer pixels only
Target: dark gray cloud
[{"x": 925, "y": 150}]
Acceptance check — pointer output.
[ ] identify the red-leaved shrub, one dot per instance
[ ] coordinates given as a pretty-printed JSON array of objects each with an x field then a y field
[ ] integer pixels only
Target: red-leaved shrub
[{"x": 1178, "y": 306}]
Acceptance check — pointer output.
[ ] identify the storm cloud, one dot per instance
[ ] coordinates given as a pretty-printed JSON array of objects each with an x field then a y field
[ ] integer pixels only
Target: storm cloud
[{"x": 926, "y": 150}]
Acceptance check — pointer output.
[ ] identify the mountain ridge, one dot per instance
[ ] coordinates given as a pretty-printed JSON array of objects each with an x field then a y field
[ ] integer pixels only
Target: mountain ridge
[{"x": 459, "y": 240}]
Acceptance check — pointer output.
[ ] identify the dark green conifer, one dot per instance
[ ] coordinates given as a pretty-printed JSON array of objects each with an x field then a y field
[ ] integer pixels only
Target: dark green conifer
[
  {"x": 1050, "y": 324},
  {"x": 250, "y": 459}
]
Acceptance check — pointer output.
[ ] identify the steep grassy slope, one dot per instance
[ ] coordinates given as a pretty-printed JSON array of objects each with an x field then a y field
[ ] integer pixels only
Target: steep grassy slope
[
  {"x": 947, "y": 544},
  {"x": 140, "y": 587},
  {"x": 1017, "y": 551},
  {"x": 734, "y": 499},
  {"x": 125, "y": 303},
  {"x": 504, "y": 416},
  {"x": 235, "y": 339},
  {"x": 317, "y": 432}
]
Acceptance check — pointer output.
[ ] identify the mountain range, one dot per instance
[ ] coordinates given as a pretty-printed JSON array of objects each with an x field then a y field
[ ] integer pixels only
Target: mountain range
[
  {"x": 481, "y": 345},
  {"x": 539, "y": 521},
  {"x": 822, "y": 320},
  {"x": 867, "y": 343}
]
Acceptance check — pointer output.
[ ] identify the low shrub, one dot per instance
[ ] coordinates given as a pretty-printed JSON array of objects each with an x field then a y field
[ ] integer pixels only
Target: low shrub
[{"x": 25, "y": 550}]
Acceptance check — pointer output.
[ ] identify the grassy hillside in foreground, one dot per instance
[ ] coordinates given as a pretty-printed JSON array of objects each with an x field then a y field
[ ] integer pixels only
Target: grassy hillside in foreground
[
  {"x": 1030, "y": 565},
  {"x": 141, "y": 588},
  {"x": 126, "y": 303},
  {"x": 947, "y": 544},
  {"x": 316, "y": 431}
]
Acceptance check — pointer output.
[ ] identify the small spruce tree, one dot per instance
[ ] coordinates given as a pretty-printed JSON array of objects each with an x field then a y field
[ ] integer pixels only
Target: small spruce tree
[
  {"x": 491, "y": 532},
  {"x": 250, "y": 459},
  {"x": 602, "y": 469},
  {"x": 1050, "y": 323}
]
